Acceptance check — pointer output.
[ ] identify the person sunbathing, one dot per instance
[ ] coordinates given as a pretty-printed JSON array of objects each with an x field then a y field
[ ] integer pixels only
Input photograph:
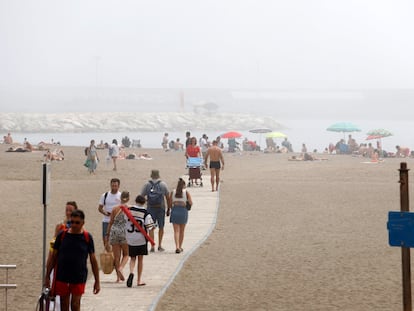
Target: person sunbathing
[
  {"x": 17, "y": 149},
  {"x": 56, "y": 155},
  {"x": 306, "y": 157},
  {"x": 145, "y": 156}
]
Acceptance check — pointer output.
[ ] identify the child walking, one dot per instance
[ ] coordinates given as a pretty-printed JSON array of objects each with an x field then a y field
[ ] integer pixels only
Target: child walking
[{"x": 137, "y": 243}]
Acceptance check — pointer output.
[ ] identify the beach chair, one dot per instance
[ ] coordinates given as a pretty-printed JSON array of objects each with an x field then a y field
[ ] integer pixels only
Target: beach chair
[{"x": 194, "y": 171}]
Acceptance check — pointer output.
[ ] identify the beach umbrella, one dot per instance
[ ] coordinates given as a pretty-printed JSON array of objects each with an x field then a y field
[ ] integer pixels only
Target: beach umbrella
[
  {"x": 343, "y": 127},
  {"x": 379, "y": 133},
  {"x": 231, "y": 134},
  {"x": 275, "y": 135},
  {"x": 370, "y": 137},
  {"x": 260, "y": 131}
]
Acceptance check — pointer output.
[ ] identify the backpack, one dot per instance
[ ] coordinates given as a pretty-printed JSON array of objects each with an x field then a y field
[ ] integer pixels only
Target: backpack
[
  {"x": 106, "y": 194},
  {"x": 85, "y": 233},
  {"x": 154, "y": 194}
]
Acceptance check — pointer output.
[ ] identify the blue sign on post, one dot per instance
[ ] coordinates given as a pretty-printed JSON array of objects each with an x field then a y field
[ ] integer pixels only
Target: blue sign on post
[{"x": 400, "y": 227}]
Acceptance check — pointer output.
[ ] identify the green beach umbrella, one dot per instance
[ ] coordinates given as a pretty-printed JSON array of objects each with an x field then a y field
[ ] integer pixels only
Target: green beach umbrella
[
  {"x": 275, "y": 135},
  {"x": 379, "y": 133}
]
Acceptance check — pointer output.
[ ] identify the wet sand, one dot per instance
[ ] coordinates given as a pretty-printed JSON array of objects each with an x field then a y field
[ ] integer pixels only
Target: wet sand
[{"x": 290, "y": 235}]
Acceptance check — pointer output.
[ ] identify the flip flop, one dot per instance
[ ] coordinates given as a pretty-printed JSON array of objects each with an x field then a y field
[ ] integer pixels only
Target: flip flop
[
  {"x": 141, "y": 284},
  {"x": 130, "y": 278}
]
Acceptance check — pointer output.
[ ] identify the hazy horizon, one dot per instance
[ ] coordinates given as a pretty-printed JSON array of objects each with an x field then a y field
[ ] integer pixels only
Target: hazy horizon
[
  {"x": 185, "y": 44},
  {"x": 294, "y": 57}
]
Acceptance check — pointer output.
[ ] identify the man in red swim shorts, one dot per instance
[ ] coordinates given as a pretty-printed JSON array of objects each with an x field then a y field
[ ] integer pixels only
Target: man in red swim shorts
[{"x": 68, "y": 259}]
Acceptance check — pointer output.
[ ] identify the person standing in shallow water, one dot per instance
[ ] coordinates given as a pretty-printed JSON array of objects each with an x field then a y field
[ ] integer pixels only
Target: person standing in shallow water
[{"x": 216, "y": 163}]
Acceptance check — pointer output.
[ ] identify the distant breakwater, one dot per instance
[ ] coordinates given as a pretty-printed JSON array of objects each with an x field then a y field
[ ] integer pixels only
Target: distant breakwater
[{"x": 132, "y": 121}]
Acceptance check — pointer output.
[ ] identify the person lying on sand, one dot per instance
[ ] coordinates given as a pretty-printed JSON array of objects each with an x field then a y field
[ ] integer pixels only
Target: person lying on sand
[
  {"x": 17, "y": 149},
  {"x": 141, "y": 156},
  {"x": 306, "y": 157},
  {"x": 56, "y": 155},
  {"x": 144, "y": 156}
]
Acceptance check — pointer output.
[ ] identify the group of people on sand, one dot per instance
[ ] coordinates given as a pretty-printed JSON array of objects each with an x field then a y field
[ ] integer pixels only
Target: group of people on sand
[
  {"x": 127, "y": 229},
  {"x": 50, "y": 155},
  {"x": 204, "y": 142},
  {"x": 271, "y": 146},
  {"x": 115, "y": 152},
  {"x": 204, "y": 152},
  {"x": 368, "y": 150}
]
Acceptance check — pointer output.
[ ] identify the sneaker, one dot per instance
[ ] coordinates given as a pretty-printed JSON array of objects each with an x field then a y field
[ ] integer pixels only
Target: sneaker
[
  {"x": 130, "y": 278},
  {"x": 160, "y": 249}
]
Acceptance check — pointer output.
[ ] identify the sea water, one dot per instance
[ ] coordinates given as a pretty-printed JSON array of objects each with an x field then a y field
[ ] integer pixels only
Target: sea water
[{"x": 313, "y": 133}]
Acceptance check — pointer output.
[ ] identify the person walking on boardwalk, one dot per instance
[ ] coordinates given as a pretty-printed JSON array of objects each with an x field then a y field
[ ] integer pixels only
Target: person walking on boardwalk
[
  {"x": 137, "y": 243},
  {"x": 116, "y": 236},
  {"x": 216, "y": 163},
  {"x": 70, "y": 253},
  {"x": 157, "y": 195},
  {"x": 107, "y": 202},
  {"x": 179, "y": 213}
]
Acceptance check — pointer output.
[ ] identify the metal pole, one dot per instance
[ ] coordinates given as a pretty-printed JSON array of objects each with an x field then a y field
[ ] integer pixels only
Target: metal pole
[
  {"x": 44, "y": 199},
  {"x": 405, "y": 251},
  {"x": 44, "y": 243}
]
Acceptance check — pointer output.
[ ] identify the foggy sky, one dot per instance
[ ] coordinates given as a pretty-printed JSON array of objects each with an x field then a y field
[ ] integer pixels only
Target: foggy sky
[{"x": 310, "y": 44}]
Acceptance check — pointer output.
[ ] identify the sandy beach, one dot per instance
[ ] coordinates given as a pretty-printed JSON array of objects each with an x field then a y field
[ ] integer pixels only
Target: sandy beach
[{"x": 290, "y": 235}]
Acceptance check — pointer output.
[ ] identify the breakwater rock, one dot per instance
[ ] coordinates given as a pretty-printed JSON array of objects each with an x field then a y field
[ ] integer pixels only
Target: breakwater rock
[{"x": 132, "y": 121}]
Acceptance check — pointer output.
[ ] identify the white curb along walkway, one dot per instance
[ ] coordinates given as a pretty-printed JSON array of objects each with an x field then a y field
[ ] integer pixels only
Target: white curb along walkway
[{"x": 159, "y": 268}]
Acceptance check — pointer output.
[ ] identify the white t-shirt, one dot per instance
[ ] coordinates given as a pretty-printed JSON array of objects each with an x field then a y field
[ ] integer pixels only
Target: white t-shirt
[
  {"x": 203, "y": 144},
  {"x": 114, "y": 150},
  {"x": 111, "y": 201}
]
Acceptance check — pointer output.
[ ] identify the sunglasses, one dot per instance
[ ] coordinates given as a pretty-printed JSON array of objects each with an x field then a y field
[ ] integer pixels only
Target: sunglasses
[{"x": 76, "y": 222}]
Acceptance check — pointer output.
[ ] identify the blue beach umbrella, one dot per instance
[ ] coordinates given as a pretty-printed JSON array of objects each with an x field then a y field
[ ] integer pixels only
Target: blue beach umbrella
[{"x": 343, "y": 127}]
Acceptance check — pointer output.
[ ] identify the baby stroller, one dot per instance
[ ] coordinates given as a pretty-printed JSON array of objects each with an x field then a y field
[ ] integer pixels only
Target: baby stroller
[{"x": 194, "y": 171}]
